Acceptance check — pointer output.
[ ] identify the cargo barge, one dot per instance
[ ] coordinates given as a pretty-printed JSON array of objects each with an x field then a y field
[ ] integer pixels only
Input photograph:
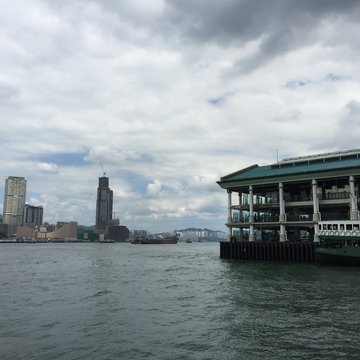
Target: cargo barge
[{"x": 160, "y": 241}]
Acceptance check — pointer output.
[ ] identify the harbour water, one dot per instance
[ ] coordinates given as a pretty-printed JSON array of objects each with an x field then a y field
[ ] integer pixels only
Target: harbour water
[{"x": 123, "y": 301}]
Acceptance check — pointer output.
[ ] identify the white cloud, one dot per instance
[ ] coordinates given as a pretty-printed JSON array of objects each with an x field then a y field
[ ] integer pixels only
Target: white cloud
[
  {"x": 169, "y": 96},
  {"x": 48, "y": 168},
  {"x": 154, "y": 188}
]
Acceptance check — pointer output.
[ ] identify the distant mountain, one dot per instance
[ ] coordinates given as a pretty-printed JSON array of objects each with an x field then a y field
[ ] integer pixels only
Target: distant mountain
[{"x": 198, "y": 229}]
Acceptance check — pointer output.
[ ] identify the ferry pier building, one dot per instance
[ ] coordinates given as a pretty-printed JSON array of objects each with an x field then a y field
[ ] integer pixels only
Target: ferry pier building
[{"x": 283, "y": 202}]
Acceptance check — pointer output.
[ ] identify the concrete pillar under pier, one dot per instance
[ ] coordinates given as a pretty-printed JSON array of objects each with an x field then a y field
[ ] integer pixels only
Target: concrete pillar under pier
[
  {"x": 316, "y": 213},
  {"x": 229, "y": 213},
  {"x": 282, "y": 215},
  {"x": 240, "y": 216},
  {"x": 354, "y": 212},
  {"x": 251, "y": 214}
]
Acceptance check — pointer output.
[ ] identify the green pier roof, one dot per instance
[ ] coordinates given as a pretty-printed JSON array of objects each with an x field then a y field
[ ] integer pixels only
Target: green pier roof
[{"x": 295, "y": 167}]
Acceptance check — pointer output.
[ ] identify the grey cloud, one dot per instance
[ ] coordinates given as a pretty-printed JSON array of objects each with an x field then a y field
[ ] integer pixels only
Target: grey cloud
[
  {"x": 216, "y": 101},
  {"x": 289, "y": 117},
  {"x": 293, "y": 84},
  {"x": 136, "y": 13},
  {"x": 353, "y": 107},
  {"x": 352, "y": 117},
  {"x": 333, "y": 77},
  {"x": 350, "y": 121},
  {"x": 280, "y": 25},
  {"x": 227, "y": 22},
  {"x": 222, "y": 98},
  {"x": 233, "y": 21},
  {"x": 8, "y": 92},
  {"x": 298, "y": 83}
]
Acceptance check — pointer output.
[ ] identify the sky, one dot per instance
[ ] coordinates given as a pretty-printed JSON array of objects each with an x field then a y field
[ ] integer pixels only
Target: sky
[{"x": 166, "y": 97}]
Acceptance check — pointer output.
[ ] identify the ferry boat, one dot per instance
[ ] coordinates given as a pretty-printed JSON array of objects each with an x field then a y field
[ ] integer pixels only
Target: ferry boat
[
  {"x": 160, "y": 241},
  {"x": 339, "y": 242}
]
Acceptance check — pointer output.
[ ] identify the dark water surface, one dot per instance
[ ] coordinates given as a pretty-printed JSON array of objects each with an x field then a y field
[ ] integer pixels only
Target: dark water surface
[{"x": 123, "y": 301}]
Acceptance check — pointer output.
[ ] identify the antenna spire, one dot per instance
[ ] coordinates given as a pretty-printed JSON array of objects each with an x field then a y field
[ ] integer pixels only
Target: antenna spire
[{"x": 102, "y": 168}]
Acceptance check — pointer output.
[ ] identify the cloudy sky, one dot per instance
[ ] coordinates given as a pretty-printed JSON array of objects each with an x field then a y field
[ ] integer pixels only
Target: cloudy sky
[{"x": 169, "y": 95}]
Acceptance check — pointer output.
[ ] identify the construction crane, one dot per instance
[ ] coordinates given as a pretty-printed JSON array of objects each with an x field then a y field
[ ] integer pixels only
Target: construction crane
[{"x": 102, "y": 168}]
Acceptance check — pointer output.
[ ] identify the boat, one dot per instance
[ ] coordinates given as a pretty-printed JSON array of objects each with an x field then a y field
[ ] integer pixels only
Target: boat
[
  {"x": 339, "y": 242},
  {"x": 188, "y": 241},
  {"x": 159, "y": 241}
]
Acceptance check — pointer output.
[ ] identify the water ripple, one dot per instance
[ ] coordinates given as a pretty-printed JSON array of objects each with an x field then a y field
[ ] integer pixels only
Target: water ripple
[{"x": 86, "y": 301}]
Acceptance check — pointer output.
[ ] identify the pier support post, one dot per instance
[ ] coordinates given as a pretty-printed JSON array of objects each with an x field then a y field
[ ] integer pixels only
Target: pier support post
[
  {"x": 240, "y": 216},
  {"x": 229, "y": 219},
  {"x": 316, "y": 214},
  {"x": 251, "y": 214},
  {"x": 282, "y": 215},
  {"x": 354, "y": 212}
]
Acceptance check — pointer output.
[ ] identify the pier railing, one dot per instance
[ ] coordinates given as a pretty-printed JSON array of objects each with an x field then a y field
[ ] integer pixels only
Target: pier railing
[{"x": 237, "y": 219}]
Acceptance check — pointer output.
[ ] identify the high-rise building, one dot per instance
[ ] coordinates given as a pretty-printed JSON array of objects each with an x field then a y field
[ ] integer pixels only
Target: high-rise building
[
  {"x": 104, "y": 204},
  {"x": 33, "y": 216},
  {"x": 14, "y": 200}
]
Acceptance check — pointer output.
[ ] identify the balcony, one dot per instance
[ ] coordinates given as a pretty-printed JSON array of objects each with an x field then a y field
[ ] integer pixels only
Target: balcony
[
  {"x": 244, "y": 219},
  {"x": 302, "y": 217},
  {"x": 271, "y": 218}
]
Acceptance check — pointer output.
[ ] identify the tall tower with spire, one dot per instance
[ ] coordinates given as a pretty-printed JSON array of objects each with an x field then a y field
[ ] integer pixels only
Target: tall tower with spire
[{"x": 104, "y": 204}]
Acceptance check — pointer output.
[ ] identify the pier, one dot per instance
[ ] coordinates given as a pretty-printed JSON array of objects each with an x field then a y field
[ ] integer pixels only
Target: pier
[
  {"x": 275, "y": 211},
  {"x": 269, "y": 251}
]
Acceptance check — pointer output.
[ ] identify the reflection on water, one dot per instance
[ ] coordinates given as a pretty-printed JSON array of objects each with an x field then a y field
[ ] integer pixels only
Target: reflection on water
[{"x": 293, "y": 311}]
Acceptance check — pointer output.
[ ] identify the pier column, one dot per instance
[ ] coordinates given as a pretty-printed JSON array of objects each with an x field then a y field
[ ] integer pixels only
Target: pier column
[
  {"x": 240, "y": 216},
  {"x": 282, "y": 215},
  {"x": 251, "y": 213},
  {"x": 229, "y": 219},
  {"x": 354, "y": 212},
  {"x": 316, "y": 214}
]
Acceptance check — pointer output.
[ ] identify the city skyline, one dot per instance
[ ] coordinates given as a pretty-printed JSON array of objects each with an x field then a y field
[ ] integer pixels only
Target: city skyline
[
  {"x": 32, "y": 215},
  {"x": 168, "y": 96}
]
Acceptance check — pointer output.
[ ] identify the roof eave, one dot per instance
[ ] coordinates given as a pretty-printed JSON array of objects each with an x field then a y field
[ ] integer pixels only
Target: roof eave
[
  {"x": 319, "y": 175},
  {"x": 226, "y": 177}
]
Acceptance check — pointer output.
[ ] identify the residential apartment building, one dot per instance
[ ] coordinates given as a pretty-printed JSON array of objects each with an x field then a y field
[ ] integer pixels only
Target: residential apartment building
[{"x": 14, "y": 200}]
